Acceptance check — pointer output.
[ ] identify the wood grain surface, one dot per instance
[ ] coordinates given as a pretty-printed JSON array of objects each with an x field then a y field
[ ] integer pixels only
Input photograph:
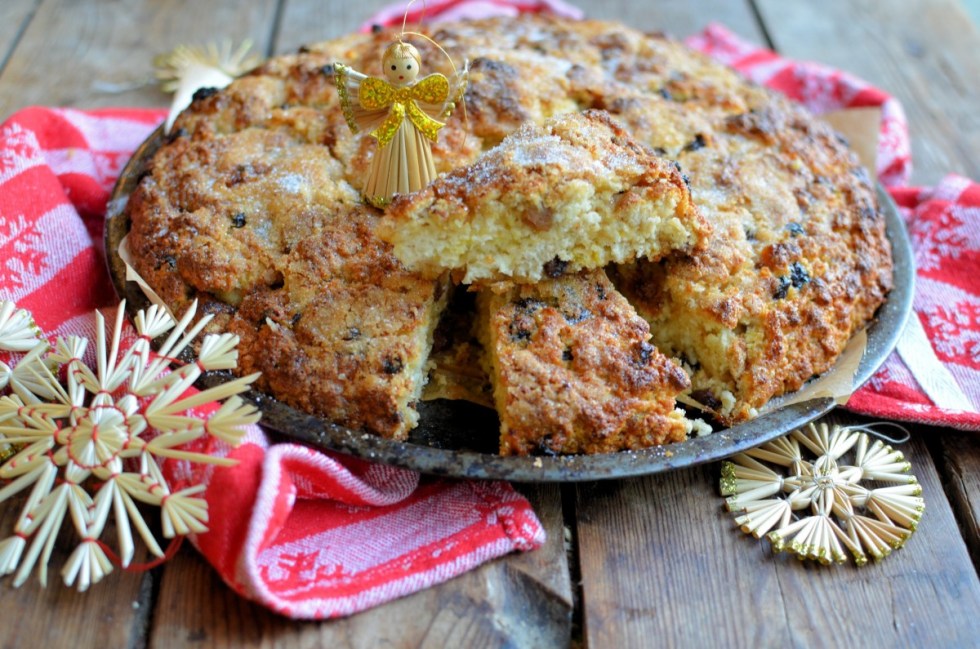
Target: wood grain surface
[
  {"x": 305, "y": 22},
  {"x": 958, "y": 458},
  {"x": 922, "y": 51},
  {"x": 114, "y": 613},
  {"x": 81, "y": 53},
  {"x": 15, "y": 15},
  {"x": 660, "y": 558},
  {"x": 655, "y": 561}
]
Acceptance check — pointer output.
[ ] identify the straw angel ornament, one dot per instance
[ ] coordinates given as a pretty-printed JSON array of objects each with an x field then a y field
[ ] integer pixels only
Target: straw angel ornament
[{"x": 404, "y": 115}]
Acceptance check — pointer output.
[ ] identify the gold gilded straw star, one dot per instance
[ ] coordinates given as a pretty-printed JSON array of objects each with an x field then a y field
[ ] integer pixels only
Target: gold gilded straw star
[{"x": 816, "y": 505}]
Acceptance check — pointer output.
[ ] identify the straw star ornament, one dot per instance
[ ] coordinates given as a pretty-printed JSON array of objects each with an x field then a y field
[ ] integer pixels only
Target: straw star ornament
[
  {"x": 188, "y": 68},
  {"x": 819, "y": 507},
  {"x": 89, "y": 443}
]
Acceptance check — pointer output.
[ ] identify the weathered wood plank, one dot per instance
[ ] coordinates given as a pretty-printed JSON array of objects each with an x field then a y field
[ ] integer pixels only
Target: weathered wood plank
[
  {"x": 522, "y": 600},
  {"x": 660, "y": 559},
  {"x": 112, "y": 613},
  {"x": 14, "y": 18},
  {"x": 308, "y": 21},
  {"x": 89, "y": 54},
  {"x": 960, "y": 469},
  {"x": 922, "y": 51}
]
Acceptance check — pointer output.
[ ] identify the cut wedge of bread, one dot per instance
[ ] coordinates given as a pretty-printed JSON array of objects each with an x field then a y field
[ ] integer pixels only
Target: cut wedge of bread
[
  {"x": 573, "y": 370},
  {"x": 575, "y": 193}
]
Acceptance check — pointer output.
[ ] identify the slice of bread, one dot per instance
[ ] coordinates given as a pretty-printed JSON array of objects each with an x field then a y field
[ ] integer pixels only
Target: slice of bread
[
  {"x": 346, "y": 332},
  {"x": 573, "y": 371},
  {"x": 576, "y": 193}
]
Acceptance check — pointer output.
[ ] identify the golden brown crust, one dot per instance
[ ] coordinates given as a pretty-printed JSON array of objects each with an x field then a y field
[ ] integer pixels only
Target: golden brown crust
[
  {"x": 573, "y": 370},
  {"x": 246, "y": 210},
  {"x": 797, "y": 263},
  {"x": 348, "y": 332},
  {"x": 797, "y": 260}
]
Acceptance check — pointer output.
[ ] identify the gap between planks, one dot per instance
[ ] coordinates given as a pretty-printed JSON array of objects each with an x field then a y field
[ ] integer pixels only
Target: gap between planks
[{"x": 15, "y": 16}]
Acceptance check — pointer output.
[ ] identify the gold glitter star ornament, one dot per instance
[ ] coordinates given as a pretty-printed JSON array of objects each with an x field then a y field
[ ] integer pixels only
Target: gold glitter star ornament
[
  {"x": 90, "y": 442},
  {"x": 800, "y": 493}
]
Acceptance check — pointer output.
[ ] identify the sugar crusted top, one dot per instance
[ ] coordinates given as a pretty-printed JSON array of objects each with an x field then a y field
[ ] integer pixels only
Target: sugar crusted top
[{"x": 586, "y": 145}]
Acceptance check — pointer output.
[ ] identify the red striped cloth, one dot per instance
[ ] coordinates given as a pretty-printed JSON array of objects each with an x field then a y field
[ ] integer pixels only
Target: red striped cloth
[{"x": 443, "y": 10}]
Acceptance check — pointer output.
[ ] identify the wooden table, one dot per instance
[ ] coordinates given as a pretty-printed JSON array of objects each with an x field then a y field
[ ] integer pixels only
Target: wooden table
[{"x": 642, "y": 562}]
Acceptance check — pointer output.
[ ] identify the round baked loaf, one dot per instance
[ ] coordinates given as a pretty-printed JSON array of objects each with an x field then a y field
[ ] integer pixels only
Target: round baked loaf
[{"x": 252, "y": 207}]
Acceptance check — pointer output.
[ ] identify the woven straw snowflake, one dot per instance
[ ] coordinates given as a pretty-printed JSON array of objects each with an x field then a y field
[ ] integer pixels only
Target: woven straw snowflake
[
  {"x": 90, "y": 441},
  {"x": 822, "y": 506}
]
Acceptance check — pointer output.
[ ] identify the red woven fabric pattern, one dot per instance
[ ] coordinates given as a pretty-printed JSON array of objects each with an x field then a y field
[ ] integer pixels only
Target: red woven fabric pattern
[
  {"x": 934, "y": 377},
  {"x": 443, "y": 10},
  {"x": 308, "y": 534}
]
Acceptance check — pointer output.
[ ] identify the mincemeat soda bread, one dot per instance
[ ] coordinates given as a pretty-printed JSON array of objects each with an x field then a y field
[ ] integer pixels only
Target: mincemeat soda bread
[
  {"x": 252, "y": 206},
  {"x": 575, "y": 193}
]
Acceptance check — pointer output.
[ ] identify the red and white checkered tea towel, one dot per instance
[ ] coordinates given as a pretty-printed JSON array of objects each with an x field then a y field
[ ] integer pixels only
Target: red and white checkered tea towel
[
  {"x": 306, "y": 533},
  {"x": 444, "y": 10}
]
